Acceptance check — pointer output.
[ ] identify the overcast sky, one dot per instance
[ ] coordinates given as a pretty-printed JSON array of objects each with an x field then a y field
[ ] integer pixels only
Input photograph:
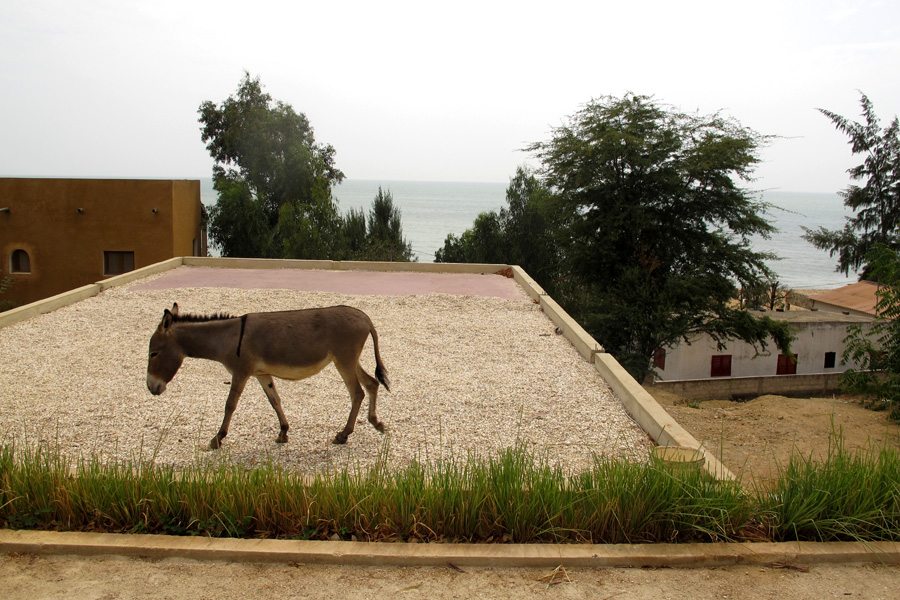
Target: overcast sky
[{"x": 444, "y": 91}]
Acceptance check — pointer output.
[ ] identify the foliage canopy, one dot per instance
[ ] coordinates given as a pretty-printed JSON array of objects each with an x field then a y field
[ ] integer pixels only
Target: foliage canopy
[
  {"x": 380, "y": 236},
  {"x": 274, "y": 184},
  {"x": 877, "y": 352},
  {"x": 876, "y": 202},
  {"x": 274, "y": 180},
  {"x": 648, "y": 232}
]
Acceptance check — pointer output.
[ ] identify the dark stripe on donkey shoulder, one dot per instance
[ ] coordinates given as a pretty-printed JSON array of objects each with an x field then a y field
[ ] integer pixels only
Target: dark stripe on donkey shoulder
[{"x": 241, "y": 337}]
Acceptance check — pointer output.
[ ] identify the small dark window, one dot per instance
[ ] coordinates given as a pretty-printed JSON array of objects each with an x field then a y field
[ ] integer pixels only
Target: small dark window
[
  {"x": 659, "y": 358},
  {"x": 116, "y": 263},
  {"x": 19, "y": 262},
  {"x": 830, "y": 358},
  {"x": 720, "y": 366},
  {"x": 787, "y": 365}
]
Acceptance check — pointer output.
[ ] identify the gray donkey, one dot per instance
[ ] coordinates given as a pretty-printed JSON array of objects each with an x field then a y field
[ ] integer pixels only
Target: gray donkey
[{"x": 292, "y": 345}]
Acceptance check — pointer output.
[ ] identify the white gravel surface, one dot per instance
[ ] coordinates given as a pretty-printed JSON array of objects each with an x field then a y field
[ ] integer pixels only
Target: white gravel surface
[{"x": 468, "y": 375}]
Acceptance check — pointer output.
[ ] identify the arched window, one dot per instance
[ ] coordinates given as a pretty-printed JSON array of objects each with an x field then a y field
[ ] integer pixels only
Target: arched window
[{"x": 19, "y": 262}]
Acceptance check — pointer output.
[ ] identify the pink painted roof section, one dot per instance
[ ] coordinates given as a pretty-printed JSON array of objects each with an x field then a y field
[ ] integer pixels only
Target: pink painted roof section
[
  {"x": 377, "y": 283},
  {"x": 856, "y": 296}
]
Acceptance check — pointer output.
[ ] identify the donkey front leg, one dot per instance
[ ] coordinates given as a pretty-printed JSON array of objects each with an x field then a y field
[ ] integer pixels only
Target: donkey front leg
[
  {"x": 237, "y": 386},
  {"x": 268, "y": 386}
]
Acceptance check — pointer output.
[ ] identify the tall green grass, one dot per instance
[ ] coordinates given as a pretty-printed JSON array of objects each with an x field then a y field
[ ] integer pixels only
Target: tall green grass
[
  {"x": 847, "y": 496},
  {"x": 514, "y": 496}
]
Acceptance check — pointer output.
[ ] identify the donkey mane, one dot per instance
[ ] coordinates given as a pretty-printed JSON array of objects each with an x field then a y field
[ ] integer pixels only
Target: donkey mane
[{"x": 189, "y": 318}]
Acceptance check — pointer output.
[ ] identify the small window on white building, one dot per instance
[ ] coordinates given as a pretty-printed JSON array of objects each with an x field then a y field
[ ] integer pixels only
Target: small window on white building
[
  {"x": 116, "y": 263},
  {"x": 659, "y": 358},
  {"x": 787, "y": 365},
  {"x": 19, "y": 262},
  {"x": 720, "y": 366},
  {"x": 830, "y": 359}
]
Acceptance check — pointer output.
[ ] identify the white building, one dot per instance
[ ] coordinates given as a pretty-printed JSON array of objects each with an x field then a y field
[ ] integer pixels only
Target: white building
[{"x": 818, "y": 349}]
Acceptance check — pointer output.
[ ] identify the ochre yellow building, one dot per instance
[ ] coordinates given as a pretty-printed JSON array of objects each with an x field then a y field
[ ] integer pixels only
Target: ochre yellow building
[{"x": 60, "y": 234}]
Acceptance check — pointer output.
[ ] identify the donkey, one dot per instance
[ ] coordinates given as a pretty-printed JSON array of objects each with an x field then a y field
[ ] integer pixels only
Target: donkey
[{"x": 289, "y": 345}]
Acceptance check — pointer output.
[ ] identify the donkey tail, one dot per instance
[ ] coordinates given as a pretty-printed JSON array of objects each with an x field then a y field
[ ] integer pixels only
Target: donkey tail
[{"x": 380, "y": 371}]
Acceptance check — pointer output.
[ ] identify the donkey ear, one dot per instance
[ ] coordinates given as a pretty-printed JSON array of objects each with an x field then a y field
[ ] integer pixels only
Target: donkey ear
[
  {"x": 175, "y": 308},
  {"x": 167, "y": 320}
]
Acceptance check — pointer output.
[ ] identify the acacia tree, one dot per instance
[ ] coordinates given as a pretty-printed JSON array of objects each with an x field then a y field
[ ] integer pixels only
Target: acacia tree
[
  {"x": 877, "y": 352},
  {"x": 657, "y": 228},
  {"x": 876, "y": 202},
  {"x": 274, "y": 181}
]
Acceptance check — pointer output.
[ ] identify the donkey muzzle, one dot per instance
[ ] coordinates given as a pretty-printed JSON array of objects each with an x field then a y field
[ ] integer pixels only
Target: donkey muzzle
[{"x": 155, "y": 385}]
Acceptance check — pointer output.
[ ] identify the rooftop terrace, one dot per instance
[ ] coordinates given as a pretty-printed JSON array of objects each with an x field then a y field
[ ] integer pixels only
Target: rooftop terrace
[{"x": 475, "y": 361}]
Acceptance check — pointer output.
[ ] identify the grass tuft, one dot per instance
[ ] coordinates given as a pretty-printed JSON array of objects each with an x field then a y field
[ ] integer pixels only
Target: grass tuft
[{"x": 514, "y": 496}]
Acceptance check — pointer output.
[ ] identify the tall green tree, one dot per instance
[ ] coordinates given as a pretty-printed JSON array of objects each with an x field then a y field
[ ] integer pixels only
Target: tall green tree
[
  {"x": 877, "y": 351},
  {"x": 385, "y": 230},
  {"x": 274, "y": 181},
  {"x": 876, "y": 202},
  {"x": 657, "y": 226},
  {"x": 378, "y": 237},
  {"x": 521, "y": 233}
]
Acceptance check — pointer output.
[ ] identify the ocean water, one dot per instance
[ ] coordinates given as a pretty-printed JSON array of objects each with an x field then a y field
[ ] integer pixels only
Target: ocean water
[{"x": 431, "y": 210}]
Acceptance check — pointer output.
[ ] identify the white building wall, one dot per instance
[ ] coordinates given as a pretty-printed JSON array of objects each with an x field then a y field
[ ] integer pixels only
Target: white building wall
[{"x": 813, "y": 341}]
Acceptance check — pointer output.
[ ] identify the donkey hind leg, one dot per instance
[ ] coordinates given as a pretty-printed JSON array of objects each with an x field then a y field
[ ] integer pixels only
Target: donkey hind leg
[
  {"x": 268, "y": 386},
  {"x": 371, "y": 385},
  {"x": 348, "y": 374},
  {"x": 234, "y": 394}
]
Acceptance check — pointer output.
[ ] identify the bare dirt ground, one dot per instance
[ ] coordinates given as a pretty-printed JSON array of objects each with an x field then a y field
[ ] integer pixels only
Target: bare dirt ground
[
  {"x": 27, "y": 577},
  {"x": 756, "y": 437}
]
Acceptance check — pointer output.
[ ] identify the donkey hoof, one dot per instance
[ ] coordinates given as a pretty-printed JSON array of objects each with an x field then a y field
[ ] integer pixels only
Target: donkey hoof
[
  {"x": 215, "y": 443},
  {"x": 379, "y": 426},
  {"x": 340, "y": 438},
  {"x": 281, "y": 439}
]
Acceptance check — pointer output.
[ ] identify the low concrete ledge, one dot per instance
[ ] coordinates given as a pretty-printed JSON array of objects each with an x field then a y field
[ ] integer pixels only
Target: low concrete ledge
[
  {"x": 530, "y": 286},
  {"x": 72, "y": 296},
  {"x": 341, "y": 265},
  {"x": 256, "y": 263},
  {"x": 586, "y": 345},
  {"x": 652, "y": 417},
  {"x": 751, "y": 387},
  {"x": 48, "y": 304},
  {"x": 461, "y": 555},
  {"x": 160, "y": 267}
]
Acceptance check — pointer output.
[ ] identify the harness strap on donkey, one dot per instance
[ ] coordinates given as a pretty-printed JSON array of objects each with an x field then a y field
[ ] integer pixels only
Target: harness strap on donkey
[{"x": 241, "y": 337}]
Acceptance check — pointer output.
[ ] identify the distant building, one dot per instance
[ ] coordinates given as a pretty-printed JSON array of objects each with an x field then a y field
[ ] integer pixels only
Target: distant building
[
  {"x": 817, "y": 350},
  {"x": 60, "y": 234},
  {"x": 854, "y": 299}
]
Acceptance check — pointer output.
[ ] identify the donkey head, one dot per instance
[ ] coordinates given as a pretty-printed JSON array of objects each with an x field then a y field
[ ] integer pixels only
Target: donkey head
[{"x": 166, "y": 355}]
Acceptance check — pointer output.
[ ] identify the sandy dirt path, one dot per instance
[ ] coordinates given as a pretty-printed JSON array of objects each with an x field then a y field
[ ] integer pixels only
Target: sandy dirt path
[{"x": 28, "y": 577}]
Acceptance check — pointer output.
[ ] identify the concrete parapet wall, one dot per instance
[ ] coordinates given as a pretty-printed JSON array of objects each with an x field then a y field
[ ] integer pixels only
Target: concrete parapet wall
[
  {"x": 652, "y": 417},
  {"x": 160, "y": 267},
  {"x": 72, "y": 296},
  {"x": 341, "y": 265},
  {"x": 528, "y": 284},
  {"x": 748, "y": 387},
  {"x": 381, "y": 554},
  {"x": 48, "y": 304},
  {"x": 586, "y": 345}
]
